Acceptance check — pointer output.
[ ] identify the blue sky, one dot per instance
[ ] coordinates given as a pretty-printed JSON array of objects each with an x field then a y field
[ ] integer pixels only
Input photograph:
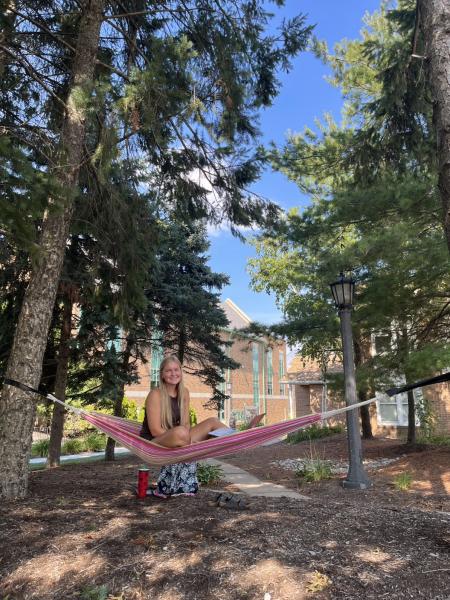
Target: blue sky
[{"x": 304, "y": 96}]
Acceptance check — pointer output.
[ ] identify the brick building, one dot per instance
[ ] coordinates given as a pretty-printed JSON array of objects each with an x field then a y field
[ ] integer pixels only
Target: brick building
[
  {"x": 308, "y": 389},
  {"x": 253, "y": 388},
  {"x": 309, "y": 392}
]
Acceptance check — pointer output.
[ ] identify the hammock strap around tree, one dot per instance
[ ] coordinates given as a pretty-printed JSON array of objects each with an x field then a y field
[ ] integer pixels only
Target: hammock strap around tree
[{"x": 126, "y": 432}]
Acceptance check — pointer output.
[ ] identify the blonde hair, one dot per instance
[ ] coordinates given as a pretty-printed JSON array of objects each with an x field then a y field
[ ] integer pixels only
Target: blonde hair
[{"x": 166, "y": 403}]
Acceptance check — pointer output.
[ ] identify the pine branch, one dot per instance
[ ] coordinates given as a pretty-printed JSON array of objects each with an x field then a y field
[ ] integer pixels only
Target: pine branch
[
  {"x": 60, "y": 39},
  {"x": 32, "y": 73}
]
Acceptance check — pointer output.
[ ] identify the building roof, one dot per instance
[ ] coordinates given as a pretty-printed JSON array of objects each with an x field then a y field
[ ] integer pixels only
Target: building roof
[
  {"x": 305, "y": 369},
  {"x": 237, "y": 318}
]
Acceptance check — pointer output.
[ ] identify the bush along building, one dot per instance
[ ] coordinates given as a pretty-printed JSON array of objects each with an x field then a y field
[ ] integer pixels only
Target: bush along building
[{"x": 254, "y": 387}]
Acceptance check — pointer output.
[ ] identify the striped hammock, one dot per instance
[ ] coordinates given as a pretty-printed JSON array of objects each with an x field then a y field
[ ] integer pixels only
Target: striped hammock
[{"x": 126, "y": 432}]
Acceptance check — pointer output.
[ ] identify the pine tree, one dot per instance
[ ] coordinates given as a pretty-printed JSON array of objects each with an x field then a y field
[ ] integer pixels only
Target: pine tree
[
  {"x": 17, "y": 409},
  {"x": 374, "y": 212},
  {"x": 185, "y": 295},
  {"x": 180, "y": 88}
]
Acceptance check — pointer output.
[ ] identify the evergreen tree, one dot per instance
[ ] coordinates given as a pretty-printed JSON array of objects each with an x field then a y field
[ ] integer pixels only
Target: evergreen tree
[
  {"x": 185, "y": 295},
  {"x": 374, "y": 212},
  {"x": 179, "y": 85}
]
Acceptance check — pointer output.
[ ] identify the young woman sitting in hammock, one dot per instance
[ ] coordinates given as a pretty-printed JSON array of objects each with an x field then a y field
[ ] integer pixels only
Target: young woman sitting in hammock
[{"x": 166, "y": 419}]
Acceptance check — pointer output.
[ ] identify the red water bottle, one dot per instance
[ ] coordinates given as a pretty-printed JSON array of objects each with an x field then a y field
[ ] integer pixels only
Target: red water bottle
[{"x": 142, "y": 482}]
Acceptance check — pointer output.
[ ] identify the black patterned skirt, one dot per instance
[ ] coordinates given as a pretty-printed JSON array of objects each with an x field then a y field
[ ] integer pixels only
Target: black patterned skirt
[{"x": 178, "y": 479}]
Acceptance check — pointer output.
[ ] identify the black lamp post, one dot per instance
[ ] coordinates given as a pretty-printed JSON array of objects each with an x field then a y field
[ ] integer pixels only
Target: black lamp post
[{"x": 343, "y": 292}]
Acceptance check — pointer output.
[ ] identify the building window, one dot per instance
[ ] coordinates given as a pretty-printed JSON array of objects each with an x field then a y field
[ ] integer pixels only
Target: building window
[
  {"x": 255, "y": 353},
  {"x": 117, "y": 342},
  {"x": 157, "y": 356},
  {"x": 281, "y": 372},
  {"x": 269, "y": 372},
  {"x": 382, "y": 343},
  {"x": 394, "y": 410}
]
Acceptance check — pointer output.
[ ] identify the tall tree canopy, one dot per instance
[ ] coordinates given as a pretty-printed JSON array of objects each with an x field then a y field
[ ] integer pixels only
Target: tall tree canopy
[
  {"x": 374, "y": 212},
  {"x": 172, "y": 88}
]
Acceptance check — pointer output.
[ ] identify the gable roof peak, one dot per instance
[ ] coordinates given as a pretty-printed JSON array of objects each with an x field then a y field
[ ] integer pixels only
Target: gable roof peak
[{"x": 236, "y": 317}]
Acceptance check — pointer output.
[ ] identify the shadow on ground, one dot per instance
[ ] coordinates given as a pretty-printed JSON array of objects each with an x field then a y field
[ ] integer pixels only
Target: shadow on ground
[{"x": 83, "y": 534}]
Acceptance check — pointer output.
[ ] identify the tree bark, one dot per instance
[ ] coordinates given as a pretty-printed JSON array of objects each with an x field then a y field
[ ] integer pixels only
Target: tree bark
[
  {"x": 18, "y": 408},
  {"x": 434, "y": 20},
  {"x": 182, "y": 341},
  {"x": 118, "y": 401},
  {"x": 56, "y": 432},
  {"x": 9, "y": 18},
  {"x": 411, "y": 439},
  {"x": 364, "y": 413},
  {"x": 365, "y": 417}
]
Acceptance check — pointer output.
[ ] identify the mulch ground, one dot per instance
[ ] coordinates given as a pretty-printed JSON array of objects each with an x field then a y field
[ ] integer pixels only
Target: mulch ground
[{"x": 82, "y": 534}]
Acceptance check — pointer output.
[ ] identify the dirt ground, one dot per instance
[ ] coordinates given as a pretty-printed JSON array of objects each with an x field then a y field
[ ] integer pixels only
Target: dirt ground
[{"x": 82, "y": 534}]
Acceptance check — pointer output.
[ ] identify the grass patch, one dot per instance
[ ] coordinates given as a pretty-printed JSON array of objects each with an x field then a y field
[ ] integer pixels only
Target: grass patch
[
  {"x": 40, "y": 448},
  {"x": 95, "y": 593},
  {"x": 95, "y": 442},
  {"x": 403, "y": 482},
  {"x": 74, "y": 446},
  {"x": 313, "y": 433},
  {"x": 314, "y": 469},
  {"x": 209, "y": 474}
]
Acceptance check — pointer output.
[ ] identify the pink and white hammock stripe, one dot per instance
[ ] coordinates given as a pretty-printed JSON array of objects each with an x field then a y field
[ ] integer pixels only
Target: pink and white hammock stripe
[{"x": 126, "y": 433}]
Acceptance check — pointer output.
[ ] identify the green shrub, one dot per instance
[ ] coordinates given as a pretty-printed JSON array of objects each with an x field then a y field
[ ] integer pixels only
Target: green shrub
[
  {"x": 95, "y": 442},
  {"x": 192, "y": 417},
  {"x": 130, "y": 409},
  {"x": 427, "y": 419},
  {"x": 313, "y": 433},
  {"x": 208, "y": 474},
  {"x": 74, "y": 446},
  {"x": 314, "y": 470},
  {"x": 242, "y": 426},
  {"x": 435, "y": 440},
  {"x": 403, "y": 482},
  {"x": 40, "y": 448},
  {"x": 95, "y": 593}
]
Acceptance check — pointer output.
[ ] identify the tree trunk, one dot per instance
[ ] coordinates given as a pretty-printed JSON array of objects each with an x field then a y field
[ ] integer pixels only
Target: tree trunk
[
  {"x": 434, "y": 19},
  {"x": 411, "y": 439},
  {"x": 118, "y": 402},
  {"x": 18, "y": 408},
  {"x": 365, "y": 417},
  {"x": 182, "y": 341},
  {"x": 359, "y": 352},
  {"x": 56, "y": 432},
  {"x": 9, "y": 18}
]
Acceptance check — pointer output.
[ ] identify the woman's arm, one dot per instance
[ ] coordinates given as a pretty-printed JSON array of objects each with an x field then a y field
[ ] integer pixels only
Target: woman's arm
[
  {"x": 185, "y": 417},
  {"x": 153, "y": 412}
]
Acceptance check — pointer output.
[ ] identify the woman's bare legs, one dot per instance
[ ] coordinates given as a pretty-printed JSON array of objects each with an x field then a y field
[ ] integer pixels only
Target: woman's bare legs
[
  {"x": 180, "y": 436},
  {"x": 202, "y": 430},
  {"x": 177, "y": 437}
]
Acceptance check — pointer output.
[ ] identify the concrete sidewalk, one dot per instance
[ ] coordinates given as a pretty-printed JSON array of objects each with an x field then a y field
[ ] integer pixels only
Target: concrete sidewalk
[
  {"x": 251, "y": 485},
  {"x": 67, "y": 458}
]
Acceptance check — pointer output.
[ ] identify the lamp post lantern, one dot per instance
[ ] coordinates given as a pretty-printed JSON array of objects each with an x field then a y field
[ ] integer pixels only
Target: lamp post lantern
[{"x": 343, "y": 293}]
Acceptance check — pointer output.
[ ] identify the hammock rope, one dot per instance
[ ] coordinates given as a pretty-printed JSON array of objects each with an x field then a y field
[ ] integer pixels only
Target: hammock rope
[{"x": 126, "y": 432}]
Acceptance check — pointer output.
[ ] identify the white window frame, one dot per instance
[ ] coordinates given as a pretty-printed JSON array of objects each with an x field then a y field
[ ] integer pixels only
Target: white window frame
[{"x": 400, "y": 401}]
